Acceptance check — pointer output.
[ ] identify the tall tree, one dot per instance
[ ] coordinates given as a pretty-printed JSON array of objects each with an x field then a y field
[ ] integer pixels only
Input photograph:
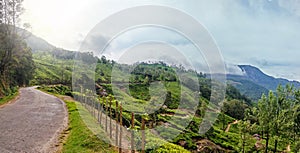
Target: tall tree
[
  {"x": 277, "y": 115},
  {"x": 10, "y": 11},
  {"x": 16, "y": 63},
  {"x": 265, "y": 116},
  {"x": 244, "y": 130}
]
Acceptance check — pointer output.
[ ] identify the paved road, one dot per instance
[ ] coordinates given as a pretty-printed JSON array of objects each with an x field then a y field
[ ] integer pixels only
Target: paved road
[{"x": 32, "y": 123}]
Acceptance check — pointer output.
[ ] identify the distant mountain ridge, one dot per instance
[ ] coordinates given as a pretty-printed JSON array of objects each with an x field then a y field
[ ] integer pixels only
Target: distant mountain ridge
[
  {"x": 253, "y": 83},
  {"x": 34, "y": 42},
  {"x": 38, "y": 44},
  {"x": 257, "y": 76}
]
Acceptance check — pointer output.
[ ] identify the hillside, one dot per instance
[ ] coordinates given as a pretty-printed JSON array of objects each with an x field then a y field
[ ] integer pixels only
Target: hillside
[
  {"x": 56, "y": 70},
  {"x": 55, "y": 67},
  {"x": 257, "y": 76},
  {"x": 34, "y": 42},
  {"x": 253, "y": 83},
  {"x": 247, "y": 87}
]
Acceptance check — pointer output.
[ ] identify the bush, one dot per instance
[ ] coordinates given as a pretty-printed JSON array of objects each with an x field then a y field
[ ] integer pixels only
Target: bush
[
  {"x": 169, "y": 148},
  {"x": 58, "y": 89},
  {"x": 296, "y": 147}
]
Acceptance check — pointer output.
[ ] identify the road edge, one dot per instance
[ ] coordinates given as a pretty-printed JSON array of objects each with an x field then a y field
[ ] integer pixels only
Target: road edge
[{"x": 54, "y": 144}]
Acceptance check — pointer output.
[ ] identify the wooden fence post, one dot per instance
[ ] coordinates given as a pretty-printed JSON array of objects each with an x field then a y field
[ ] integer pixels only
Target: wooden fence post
[
  {"x": 106, "y": 113},
  {"x": 101, "y": 108},
  {"x": 85, "y": 101},
  {"x": 94, "y": 105},
  {"x": 117, "y": 123},
  {"x": 143, "y": 135},
  {"x": 120, "y": 138},
  {"x": 98, "y": 108},
  {"x": 110, "y": 115},
  {"x": 81, "y": 95},
  {"x": 89, "y": 103},
  {"x": 132, "y": 133}
]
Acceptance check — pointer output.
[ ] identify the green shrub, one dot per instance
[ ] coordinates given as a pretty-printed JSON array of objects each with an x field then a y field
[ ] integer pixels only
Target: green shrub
[{"x": 169, "y": 148}]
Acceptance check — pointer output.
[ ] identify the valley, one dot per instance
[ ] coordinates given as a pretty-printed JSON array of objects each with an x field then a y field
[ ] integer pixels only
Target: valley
[
  {"x": 220, "y": 138},
  {"x": 165, "y": 76},
  {"x": 232, "y": 131}
]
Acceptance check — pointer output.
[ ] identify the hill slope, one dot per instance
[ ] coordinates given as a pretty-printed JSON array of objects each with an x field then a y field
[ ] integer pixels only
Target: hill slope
[
  {"x": 254, "y": 82},
  {"x": 257, "y": 76},
  {"x": 55, "y": 67},
  {"x": 34, "y": 42}
]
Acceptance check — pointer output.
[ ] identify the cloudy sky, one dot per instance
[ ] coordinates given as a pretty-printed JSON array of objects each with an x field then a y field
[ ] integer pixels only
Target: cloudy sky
[{"x": 263, "y": 33}]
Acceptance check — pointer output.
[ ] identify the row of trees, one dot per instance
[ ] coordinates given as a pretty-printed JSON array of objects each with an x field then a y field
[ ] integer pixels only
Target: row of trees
[
  {"x": 276, "y": 118},
  {"x": 16, "y": 64},
  {"x": 278, "y": 115}
]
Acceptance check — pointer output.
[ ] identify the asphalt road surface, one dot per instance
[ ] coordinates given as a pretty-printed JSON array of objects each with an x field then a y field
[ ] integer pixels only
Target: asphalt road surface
[{"x": 33, "y": 123}]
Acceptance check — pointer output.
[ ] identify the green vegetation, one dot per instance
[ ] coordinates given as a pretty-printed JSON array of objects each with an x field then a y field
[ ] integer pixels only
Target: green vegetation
[
  {"x": 57, "y": 89},
  {"x": 278, "y": 117},
  {"x": 51, "y": 70},
  {"x": 247, "y": 87},
  {"x": 7, "y": 99},
  {"x": 168, "y": 147},
  {"x": 16, "y": 64},
  {"x": 245, "y": 119},
  {"x": 272, "y": 124},
  {"x": 137, "y": 96},
  {"x": 80, "y": 139}
]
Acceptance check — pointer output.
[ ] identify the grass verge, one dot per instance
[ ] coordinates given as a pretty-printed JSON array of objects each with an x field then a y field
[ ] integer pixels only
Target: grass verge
[
  {"x": 80, "y": 138},
  {"x": 7, "y": 99}
]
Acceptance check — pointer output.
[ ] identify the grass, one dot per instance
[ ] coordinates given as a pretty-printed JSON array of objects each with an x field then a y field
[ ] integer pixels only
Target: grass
[
  {"x": 7, "y": 99},
  {"x": 80, "y": 138}
]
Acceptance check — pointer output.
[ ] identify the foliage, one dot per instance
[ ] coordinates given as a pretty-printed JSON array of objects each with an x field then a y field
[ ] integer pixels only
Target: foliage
[
  {"x": 234, "y": 93},
  {"x": 80, "y": 138},
  {"x": 58, "y": 89},
  {"x": 169, "y": 148},
  {"x": 8, "y": 98},
  {"x": 51, "y": 70},
  {"x": 138, "y": 97},
  {"x": 247, "y": 87},
  {"x": 234, "y": 108},
  {"x": 16, "y": 65},
  {"x": 277, "y": 115},
  {"x": 245, "y": 145}
]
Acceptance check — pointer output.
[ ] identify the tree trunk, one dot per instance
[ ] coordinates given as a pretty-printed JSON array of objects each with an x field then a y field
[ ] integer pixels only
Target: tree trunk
[
  {"x": 243, "y": 145},
  {"x": 275, "y": 147},
  {"x": 267, "y": 142}
]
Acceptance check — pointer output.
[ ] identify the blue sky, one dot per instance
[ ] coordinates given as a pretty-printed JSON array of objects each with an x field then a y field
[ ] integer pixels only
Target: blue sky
[{"x": 263, "y": 33}]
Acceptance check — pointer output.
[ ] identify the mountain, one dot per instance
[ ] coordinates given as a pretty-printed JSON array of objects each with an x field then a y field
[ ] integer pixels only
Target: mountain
[
  {"x": 34, "y": 42},
  {"x": 257, "y": 76},
  {"x": 253, "y": 83},
  {"x": 247, "y": 87},
  {"x": 38, "y": 44}
]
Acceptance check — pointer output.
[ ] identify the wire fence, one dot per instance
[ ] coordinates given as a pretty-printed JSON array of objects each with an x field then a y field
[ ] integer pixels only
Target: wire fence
[{"x": 109, "y": 114}]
